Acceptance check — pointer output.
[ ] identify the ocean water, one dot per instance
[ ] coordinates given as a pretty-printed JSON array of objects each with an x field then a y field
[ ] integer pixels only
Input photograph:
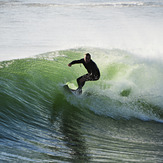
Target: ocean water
[{"x": 118, "y": 118}]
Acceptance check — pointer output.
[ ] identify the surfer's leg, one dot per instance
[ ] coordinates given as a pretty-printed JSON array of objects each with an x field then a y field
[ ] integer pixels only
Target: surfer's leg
[
  {"x": 80, "y": 85},
  {"x": 81, "y": 80},
  {"x": 87, "y": 77}
]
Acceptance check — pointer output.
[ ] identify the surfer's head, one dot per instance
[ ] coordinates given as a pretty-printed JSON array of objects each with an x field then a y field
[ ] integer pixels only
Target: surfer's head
[{"x": 87, "y": 57}]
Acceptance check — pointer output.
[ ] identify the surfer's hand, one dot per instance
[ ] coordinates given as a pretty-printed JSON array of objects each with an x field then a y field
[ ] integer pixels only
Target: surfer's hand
[{"x": 69, "y": 64}]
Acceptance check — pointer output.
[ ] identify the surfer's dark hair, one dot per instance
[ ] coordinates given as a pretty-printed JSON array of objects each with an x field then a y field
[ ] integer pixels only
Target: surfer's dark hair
[{"x": 87, "y": 54}]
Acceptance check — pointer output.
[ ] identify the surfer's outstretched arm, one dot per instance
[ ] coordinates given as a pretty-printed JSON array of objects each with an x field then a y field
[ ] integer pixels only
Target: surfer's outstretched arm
[{"x": 75, "y": 61}]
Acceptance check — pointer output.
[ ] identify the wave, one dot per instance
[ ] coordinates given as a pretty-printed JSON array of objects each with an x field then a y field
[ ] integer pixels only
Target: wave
[
  {"x": 129, "y": 87},
  {"x": 86, "y": 4}
]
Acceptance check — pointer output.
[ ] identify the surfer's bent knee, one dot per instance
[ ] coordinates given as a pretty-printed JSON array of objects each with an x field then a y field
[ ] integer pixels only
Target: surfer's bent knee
[{"x": 96, "y": 77}]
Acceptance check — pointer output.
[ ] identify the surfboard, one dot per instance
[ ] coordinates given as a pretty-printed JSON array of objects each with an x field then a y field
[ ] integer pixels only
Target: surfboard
[
  {"x": 72, "y": 91},
  {"x": 69, "y": 90}
]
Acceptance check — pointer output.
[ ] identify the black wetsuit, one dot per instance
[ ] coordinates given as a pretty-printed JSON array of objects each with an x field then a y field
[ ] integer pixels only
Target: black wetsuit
[{"x": 93, "y": 72}]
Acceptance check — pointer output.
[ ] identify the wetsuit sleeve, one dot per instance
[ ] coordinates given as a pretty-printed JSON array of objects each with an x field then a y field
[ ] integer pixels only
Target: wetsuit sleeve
[{"x": 77, "y": 61}]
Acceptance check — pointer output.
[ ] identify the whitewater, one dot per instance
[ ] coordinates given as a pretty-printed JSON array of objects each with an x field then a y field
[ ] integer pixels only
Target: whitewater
[{"x": 117, "y": 118}]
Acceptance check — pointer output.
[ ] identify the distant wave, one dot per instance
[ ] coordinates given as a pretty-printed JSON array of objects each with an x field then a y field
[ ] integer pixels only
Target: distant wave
[{"x": 89, "y": 4}]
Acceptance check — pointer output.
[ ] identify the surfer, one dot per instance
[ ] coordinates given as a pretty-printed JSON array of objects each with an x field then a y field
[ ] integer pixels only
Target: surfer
[{"x": 93, "y": 71}]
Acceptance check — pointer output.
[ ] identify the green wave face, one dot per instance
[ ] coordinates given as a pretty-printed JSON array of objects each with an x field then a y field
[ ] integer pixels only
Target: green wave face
[{"x": 129, "y": 87}]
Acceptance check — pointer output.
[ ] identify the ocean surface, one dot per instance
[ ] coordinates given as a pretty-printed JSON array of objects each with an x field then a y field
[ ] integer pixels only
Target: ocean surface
[{"x": 118, "y": 118}]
